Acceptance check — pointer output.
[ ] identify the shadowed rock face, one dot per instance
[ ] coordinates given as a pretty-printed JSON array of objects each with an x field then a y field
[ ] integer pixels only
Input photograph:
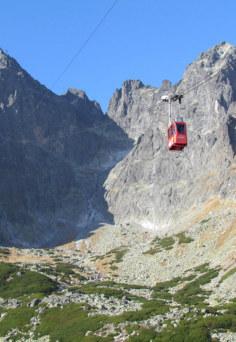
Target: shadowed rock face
[
  {"x": 55, "y": 153},
  {"x": 159, "y": 189}
]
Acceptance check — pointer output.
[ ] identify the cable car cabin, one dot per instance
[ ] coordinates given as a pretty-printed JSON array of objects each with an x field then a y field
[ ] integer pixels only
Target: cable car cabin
[{"x": 177, "y": 135}]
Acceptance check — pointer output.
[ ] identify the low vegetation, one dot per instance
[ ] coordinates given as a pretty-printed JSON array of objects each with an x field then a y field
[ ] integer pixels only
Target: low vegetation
[
  {"x": 79, "y": 322},
  {"x": 16, "y": 282},
  {"x": 159, "y": 245},
  {"x": 183, "y": 238},
  {"x": 71, "y": 323},
  {"x": 203, "y": 268},
  {"x": 117, "y": 255},
  {"x": 167, "y": 243},
  {"x": 192, "y": 293},
  {"x": 161, "y": 290},
  {"x": 204, "y": 221},
  {"x": 96, "y": 288},
  {"x": 18, "y": 318},
  {"x": 228, "y": 274}
]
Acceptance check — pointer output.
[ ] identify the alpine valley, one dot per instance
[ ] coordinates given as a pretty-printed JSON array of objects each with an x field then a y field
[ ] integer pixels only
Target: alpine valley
[{"x": 105, "y": 234}]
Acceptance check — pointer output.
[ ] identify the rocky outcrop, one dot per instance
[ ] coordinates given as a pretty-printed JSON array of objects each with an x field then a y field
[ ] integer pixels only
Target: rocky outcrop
[
  {"x": 55, "y": 153},
  {"x": 133, "y": 107},
  {"x": 158, "y": 189}
]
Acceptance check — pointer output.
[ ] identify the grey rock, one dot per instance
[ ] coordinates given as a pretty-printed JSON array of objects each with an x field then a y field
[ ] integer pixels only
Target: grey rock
[
  {"x": 12, "y": 303},
  {"x": 34, "y": 302},
  {"x": 55, "y": 153},
  {"x": 154, "y": 188},
  {"x": 99, "y": 303},
  {"x": 58, "y": 152}
]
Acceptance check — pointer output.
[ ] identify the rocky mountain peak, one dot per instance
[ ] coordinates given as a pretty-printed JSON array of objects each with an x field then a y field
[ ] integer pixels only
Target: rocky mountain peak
[
  {"x": 217, "y": 69},
  {"x": 167, "y": 258},
  {"x": 77, "y": 93},
  {"x": 128, "y": 109},
  {"x": 5, "y": 60},
  {"x": 54, "y": 157},
  {"x": 131, "y": 85},
  {"x": 215, "y": 55},
  {"x": 9, "y": 66},
  {"x": 213, "y": 60},
  {"x": 160, "y": 186},
  {"x": 79, "y": 145},
  {"x": 82, "y": 103},
  {"x": 166, "y": 85}
]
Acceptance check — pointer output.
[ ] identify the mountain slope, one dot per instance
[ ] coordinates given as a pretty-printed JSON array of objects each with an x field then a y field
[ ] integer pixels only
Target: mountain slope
[
  {"x": 165, "y": 271},
  {"x": 55, "y": 152},
  {"x": 156, "y": 188}
]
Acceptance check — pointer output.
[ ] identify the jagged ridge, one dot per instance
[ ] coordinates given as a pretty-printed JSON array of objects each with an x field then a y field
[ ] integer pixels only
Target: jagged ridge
[
  {"x": 159, "y": 189},
  {"x": 55, "y": 153}
]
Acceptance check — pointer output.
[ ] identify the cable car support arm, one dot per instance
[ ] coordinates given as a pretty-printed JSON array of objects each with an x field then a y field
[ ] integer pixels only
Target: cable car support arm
[{"x": 170, "y": 99}]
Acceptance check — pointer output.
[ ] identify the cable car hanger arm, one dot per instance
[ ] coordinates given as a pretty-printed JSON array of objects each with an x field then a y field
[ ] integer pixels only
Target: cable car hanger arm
[{"x": 170, "y": 99}]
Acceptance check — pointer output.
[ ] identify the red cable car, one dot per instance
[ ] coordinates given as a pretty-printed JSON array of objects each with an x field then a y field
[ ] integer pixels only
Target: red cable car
[
  {"x": 177, "y": 130},
  {"x": 177, "y": 135}
]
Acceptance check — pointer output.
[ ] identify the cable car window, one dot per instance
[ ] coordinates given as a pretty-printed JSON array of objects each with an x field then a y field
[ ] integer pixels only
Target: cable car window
[{"x": 181, "y": 128}]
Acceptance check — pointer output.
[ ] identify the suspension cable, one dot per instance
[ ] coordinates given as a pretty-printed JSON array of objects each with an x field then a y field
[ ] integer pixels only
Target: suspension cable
[{"x": 85, "y": 43}]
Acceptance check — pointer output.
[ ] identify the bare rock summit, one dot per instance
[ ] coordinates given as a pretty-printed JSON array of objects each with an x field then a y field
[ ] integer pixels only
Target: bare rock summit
[{"x": 158, "y": 189}]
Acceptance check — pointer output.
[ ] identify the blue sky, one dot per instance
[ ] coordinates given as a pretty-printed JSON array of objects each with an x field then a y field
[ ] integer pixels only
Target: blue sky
[{"x": 150, "y": 40}]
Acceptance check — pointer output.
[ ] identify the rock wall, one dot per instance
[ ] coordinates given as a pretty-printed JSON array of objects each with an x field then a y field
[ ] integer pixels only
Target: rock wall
[
  {"x": 66, "y": 168},
  {"x": 156, "y": 188},
  {"x": 55, "y": 153}
]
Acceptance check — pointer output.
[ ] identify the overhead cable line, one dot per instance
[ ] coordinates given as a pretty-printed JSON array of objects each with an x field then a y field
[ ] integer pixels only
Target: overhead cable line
[
  {"x": 202, "y": 82},
  {"x": 85, "y": 43},
  {"x": 104, "y": 125},
  {"x": 79, "y": 50}
]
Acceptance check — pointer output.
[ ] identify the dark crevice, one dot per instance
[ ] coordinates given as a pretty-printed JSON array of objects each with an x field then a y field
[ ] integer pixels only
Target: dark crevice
[{"x": 232, "y": 132}]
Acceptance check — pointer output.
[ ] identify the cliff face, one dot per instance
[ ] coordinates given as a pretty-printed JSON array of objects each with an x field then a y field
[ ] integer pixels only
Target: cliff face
[
  {"x": 55, "y": 152},
  {"x": 58, "y": 152},
  {"x": 159, "y": 189}
]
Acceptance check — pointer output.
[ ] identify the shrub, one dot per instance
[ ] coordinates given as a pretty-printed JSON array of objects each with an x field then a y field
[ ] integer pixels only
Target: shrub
[
  {"x": 167, "y": 243},
  {"x": 228, "y": 274},
  {"x": 27, "y": 282},
  {"x": 143, "y": 335},
  {"x": 70, "y": 324},
  {"x": 158, "y": 245},
  {"x": 17, "y": 318},
  {"x": 192, "y": 293},
  {"x": 183, "y": 238}
]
